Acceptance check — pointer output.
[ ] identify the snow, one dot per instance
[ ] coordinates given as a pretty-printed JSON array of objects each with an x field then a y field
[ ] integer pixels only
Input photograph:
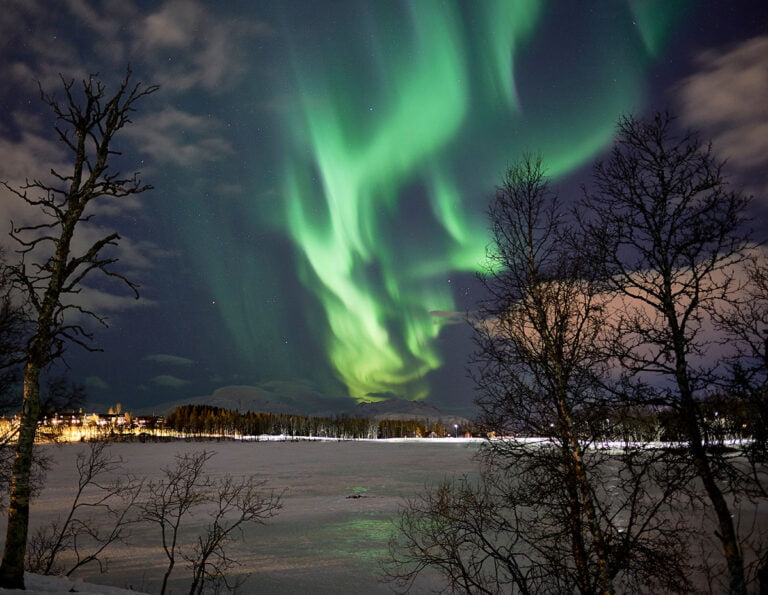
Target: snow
[
  {"x": 340, "y": 498},
  {"x": 330, "y": 537},
  {"x": 36, "y": 584}
]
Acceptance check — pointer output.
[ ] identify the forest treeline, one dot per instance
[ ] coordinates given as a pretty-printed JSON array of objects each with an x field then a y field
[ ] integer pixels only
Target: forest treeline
[
  {"x": 207, "y": 420},
  {"x": 724, "y": 419}
]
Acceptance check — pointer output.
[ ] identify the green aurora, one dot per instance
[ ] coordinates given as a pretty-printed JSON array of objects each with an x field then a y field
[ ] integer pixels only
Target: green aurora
[{"x": 399, "y": 119}]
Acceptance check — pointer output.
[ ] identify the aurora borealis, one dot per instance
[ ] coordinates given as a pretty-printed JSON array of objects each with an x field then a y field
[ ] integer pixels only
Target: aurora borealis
[
  {"x": 322, "y": 170},
  {"x": 383, "y": 117}
]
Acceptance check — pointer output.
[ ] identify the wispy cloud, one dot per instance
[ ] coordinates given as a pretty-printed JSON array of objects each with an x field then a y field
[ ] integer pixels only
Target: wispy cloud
[
  {"x": 104, "y": 303},
  {"x": 33, "y": 157},
  {"x": 179, "y": 137},
  {"x": 173, "y": 25},
  {"x": 106, "y": 22},
  {"x": 448, "y": 317},
  {"x": 725, "y": 99},
  {"x": 189, "y": 46},
  {"x": 169, "y": 381},
  {"x": 165, "y": 358},
  {"x": 47, "y": 53},
  {"x": 132, "y": 255},
  {"x": 94, "y": 382},
  {"x": 29, "y": 150},
  {"x": 181, "y": 45}
]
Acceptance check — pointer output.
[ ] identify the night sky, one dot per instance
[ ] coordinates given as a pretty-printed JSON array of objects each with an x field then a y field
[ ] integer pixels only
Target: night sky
[{"x": 322, "y": 169}]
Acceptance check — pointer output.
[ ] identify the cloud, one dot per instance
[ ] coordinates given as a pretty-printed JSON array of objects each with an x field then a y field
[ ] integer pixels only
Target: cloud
[
  {"x": 31, "y": 157},
  {"x": 131, "y": 254},
  {"x": 101, "y": 303},
  {"x": 165, "y": 358},
  {"x": 169, "y": 381},
  {"x": 28, "y": 152},
  {"x": 95, "y": 382},
  {"x": 139, "y": 255},
  {"x": 75, "y": 38},
  {"x": 173, "y": 25},
  {"x": 725, "y": 99},
  {"x": 179, "y": 137},
  {"x": 181, "y": 45},
  {"x": 47, "y": 51},
  {"x": 190, "y": 47},
  {"x": 106, "y": 23},
  {"x": 448, "y": 317}
]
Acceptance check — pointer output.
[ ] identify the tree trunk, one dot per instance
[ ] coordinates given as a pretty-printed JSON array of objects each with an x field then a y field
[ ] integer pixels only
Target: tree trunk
[
  {"x": 588, "y": 506},
  {"x": 578, "y": 549},
  {"x": 727, "y": 531},
  {"x": 12, "y": 567},
  {"x": 167, "y": 575},
  {"x": 577, "y": 475}
]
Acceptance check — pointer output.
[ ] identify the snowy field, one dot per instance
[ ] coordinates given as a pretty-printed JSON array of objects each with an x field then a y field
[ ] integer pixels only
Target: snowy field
[{"x": 322, "y": 541}]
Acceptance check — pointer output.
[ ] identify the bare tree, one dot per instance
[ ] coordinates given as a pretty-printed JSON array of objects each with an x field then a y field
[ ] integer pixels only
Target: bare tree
[
  {"x": 237, "y": 503},
  {"x": 745, "y": 323},
  {"x": 170, "y": 500},
  {"x": 537, "y": 345},
  {"x": 668, "y": 230},
  {"x": 101, "y": 511},
  {"x": 51, "y": 271},
  {"x": 558, "y": 515},
  {"x": 467, "y": 533},
  {"x": 511, "y": 531},
  {"x": 184, "y": 488}
]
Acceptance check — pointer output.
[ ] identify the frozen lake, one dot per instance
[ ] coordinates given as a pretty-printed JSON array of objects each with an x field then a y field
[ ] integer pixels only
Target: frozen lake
[{"x": 322, "y": 541}]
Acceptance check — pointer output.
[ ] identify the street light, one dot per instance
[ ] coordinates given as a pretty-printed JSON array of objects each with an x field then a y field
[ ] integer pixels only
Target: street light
[{"x": 456, "y": 430}]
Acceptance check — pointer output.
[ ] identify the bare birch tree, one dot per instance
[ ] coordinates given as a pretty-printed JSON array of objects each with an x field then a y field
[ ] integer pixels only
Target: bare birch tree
[
  {"x": 537, "y": 348},
  {"x": 183, "y": 487},
  {"x": 232, "y": 504},
  {"x": 667, "y": 230},
  {"x": 237, "y": 503},
  {"x": 98, "y": 517},
  {"x": 745, "y": 322},
  {"x": 51, "y": 270},
  {"x": 558, "y": 515}
]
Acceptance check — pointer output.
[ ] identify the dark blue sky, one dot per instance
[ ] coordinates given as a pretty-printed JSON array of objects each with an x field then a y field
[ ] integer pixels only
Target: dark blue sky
[{"x": 321, "y": 169}]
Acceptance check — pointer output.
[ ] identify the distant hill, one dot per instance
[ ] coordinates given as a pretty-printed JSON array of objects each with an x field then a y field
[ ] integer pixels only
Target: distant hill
[
  {"x": 405, "y": 410},
  {"x": 236, "y": 398},
  {"x": 296, "y": 399}
]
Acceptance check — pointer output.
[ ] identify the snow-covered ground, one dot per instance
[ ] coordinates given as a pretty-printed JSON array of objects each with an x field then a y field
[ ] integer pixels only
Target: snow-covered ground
[
  {"x": 322, "y": 541},
  {"x": 55, "y": 585}
]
